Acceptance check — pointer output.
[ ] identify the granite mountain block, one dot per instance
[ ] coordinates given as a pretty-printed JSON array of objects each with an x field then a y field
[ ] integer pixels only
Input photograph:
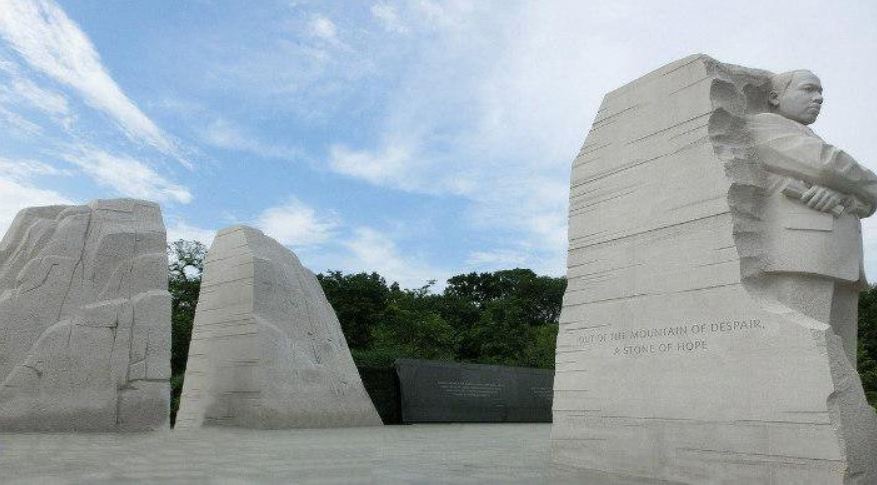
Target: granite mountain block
[
  {"x": 267, "y": 349},
  {"x": 85, "y": 319}
]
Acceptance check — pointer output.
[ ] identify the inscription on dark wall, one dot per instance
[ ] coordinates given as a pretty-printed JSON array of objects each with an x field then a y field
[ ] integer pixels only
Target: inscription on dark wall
[{"x": 434, "y": 391}]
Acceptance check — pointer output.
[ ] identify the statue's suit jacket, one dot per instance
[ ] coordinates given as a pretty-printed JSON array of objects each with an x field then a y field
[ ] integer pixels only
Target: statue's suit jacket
[{"x": 798, "y": 239}]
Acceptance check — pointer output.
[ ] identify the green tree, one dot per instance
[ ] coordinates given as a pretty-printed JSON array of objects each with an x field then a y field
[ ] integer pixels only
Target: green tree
[
  {"x": 867, "y": 351},
  {"x": 359, "y": 301},
  {"x": 543, "y": 343},
  {"x": 501, "y": 335},
  {"x": 412, "y": 325},
  {"x": 538, "y": 296},
  {"x": 185, "y": 265},
  {"x": 506, "y": 317}
]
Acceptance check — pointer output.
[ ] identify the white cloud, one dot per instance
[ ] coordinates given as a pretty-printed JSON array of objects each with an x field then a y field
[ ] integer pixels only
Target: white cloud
[
  {"x": 53, "y": 44},
  {"x": 447, "y": 14},
  {"x": 296, "y": 224},
  {"x": 17, "y": 195},
  {"x": 19, "y": 124},
  {"x": 498, "y": 130},
  {"x": 406, "y": 164},
  {"x": 222, "y": 133},
  {"x": 298, "y": 62},
  {"x": 127, "y": 176},
  {"x": 17, "y": 192},
  {"x": 371, "y": 250},
  {"x": 544, "y": 260},
  {"x": 43, "y": 99},
  {"x": 322, "y": 27},
  {"x": 180, "y": 229},
  {"x": 392, "y": 165},
  {"x": 21, "y": 91},
  {"x": 366, "y": 249},
  {"x": 389, "y": 17},
  {"x": 499, "y": 258},
  {"x": 21, "y": 170}
]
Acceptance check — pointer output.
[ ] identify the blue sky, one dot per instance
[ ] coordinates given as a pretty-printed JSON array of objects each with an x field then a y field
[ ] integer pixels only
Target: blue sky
[{"x": 419, "y": 138}]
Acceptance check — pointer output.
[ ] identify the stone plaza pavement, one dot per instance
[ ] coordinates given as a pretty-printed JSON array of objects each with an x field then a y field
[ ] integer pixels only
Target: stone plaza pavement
[{"x": 416, "y": 454}]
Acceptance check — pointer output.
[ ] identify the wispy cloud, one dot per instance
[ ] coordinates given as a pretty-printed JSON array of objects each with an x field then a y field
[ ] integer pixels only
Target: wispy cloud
[
  {"x": 508, "y": 258},
  {"x": 389, "y": 18},
  {"x": 392, "y": 165},
  {"x": 43, "y": 99},
  {"x": 51, "y": 43},
  {"x": 22, "y": 170},
  {"x": 18, "y": 124},
  {"x": 224, "y": 134},
  {"x": 297, "y": 224},
  {"x": 178, "y": 229},
  {"x": 406, "y": 163},
  {"x": 323, "y": 28},
  {"x": 323, "y": 242},
  {"x": 372, "y": 250},
  {"x": 127, "y": 176},
  {"x": 446, "y": 14},
  {"x": 17, "y": 194},
  {"x": 18, "y": 90},
  {"x": 499, "y": 131}
]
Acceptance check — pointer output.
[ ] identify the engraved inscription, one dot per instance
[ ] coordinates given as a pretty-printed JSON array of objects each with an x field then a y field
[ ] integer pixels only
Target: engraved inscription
[
  {"x": 688, "y": 338},
  {"x": 469, "y": 389},
  {"x": 542, "y": 392}
]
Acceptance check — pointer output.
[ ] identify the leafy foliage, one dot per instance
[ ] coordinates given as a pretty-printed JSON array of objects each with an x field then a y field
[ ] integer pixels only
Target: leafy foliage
[
  {"x": 185, "y": 265},
  {"x": 867, "y": 352},
  {"x": 359, "y": 300},
  {"x": 507, "y": 317}
]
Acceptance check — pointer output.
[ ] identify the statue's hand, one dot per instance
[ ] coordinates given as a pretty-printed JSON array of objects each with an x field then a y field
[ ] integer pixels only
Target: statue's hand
[{"x": 821, "y": 198}]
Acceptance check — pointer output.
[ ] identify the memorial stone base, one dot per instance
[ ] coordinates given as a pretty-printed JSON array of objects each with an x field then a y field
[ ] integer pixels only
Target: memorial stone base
[{"x": 674, "y": 361}]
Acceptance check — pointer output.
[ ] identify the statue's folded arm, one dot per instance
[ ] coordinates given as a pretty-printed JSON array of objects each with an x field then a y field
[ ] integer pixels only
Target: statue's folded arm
[{"x": 786, "y": 149}]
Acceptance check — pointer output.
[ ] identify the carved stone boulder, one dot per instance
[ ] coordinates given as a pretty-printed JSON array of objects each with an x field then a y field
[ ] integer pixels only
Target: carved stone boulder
[
  {"x": 267, "y": 349},
  {"x": 688, "y": 350},
  {"x": 85, "y": 319}
]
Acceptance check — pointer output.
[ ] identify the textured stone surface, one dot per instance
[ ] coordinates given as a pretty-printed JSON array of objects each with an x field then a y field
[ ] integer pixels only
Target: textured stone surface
[
  {"x": 447, "y": 392},
  {"x": 85, "y": 319},
  {"x": 690, "y": 350},
  {"x": 267, "y": 349}
]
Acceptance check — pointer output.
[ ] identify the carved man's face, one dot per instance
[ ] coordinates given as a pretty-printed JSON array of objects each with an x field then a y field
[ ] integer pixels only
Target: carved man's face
[{"x": 802, "y": 99}]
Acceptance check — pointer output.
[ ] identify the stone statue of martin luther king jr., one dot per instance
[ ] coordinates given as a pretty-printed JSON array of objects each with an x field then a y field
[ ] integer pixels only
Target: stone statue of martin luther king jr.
[{"x": 812, "y": 259}]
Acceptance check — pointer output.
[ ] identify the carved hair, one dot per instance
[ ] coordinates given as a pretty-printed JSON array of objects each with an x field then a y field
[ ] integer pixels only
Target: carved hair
[{"x": 780, "y": 82}]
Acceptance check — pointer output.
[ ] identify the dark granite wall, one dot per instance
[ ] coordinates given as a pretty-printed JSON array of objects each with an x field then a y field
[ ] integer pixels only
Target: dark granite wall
[{"x": 434, "y": 391}]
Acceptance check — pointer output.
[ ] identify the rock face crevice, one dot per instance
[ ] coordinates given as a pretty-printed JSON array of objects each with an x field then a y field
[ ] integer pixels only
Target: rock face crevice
[
  {"x": 85, "y": 319},
  {"x": 267, "y": 349}
]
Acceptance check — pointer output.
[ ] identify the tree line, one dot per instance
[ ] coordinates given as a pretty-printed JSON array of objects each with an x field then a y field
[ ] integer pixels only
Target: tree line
[{"x": 507, "y": 317}]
